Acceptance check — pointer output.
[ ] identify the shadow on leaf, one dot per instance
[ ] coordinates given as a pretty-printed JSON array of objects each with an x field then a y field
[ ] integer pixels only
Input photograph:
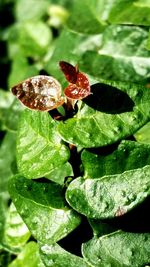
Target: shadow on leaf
[{"x": 108, "y": 99}]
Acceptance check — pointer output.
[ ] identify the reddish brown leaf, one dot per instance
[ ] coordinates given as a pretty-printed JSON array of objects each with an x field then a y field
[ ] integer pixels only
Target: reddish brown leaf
[
  {"x": 39, "y": 92},
  {"x": 69, "y": 71}
]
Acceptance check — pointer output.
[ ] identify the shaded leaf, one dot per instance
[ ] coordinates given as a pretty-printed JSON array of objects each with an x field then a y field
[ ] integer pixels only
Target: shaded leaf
[
  {"x": 29, "y": 257},
  {"x": 129, "y": 155},
  {"x": 53, "y": 255},
  {"x": 111, "y": 195},
  {"x": 43, "y": 208},
  {"x": 118, "y": 249},
  {"x": 130, "y": 12},
  {"x": 101, "y": 228},
  {"x": 115, "y": 110},
  {"x": 59, "y": 174},
  {"x": 126, "y": 62},
  {"x": 39, "y": 147},
  {"x": 88, "y": 22}
]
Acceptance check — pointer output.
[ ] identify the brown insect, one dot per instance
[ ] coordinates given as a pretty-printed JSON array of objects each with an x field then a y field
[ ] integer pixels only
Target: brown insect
[{"x": 39, "y": 93}]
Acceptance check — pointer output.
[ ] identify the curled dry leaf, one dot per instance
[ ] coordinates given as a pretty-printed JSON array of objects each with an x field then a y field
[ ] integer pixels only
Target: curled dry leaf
[
  {"x": 39, "y": 93},
  {"x": 79, "y": 86}
]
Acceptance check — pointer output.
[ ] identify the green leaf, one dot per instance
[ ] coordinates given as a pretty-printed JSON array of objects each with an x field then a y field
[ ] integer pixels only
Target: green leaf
[
  {"x": 33, "y": 10},
  {"x": 43, "y": 208},
  {"x": 39, "y": 147},
  {"x": 114, "y": 110},
  {"x": 118, "y": 249},
  {"x": 111, "y": 195},
  {"x": 89, "y": 23},
  {"x": 129, "y": 155},
  {"x": 7, "y": 159},
  {"x": 2, "y": 218},
  {"x": 53, "y": 255},
  {"x": 143, "y": 135},
  {"x": 59, "y": 174},
  {"x": 126, "y": 62},
  {"x": 29, "y": 257},
  {"x": 130, "y": 12},
  {"x": 10, "y": 122},
  {"x": 31, "y": 31},
  {"x": 6, "y": 99},
  {"x": 101, "y": 228},
  {"x": 148, "y": 44},
  {"x": 63, "y": 51},
  {"x": 20, "y": 66},
  {"x": 9, "y": 111},
  {"x": 16, "y": 232}
]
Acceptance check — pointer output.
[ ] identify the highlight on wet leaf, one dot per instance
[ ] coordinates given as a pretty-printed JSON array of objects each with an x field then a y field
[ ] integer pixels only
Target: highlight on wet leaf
[
  {"x": 79, "y": 86},
  {"x": 40, "y": 92}
]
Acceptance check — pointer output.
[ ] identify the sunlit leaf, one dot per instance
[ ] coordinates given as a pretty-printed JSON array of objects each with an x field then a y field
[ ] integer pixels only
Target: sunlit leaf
[
  {"x": 43, "y": 208},
  {"x": 41, "y": 150},
  {"x": 111, "y": 195},
  {"x": 53, "y": 255},
  {"x": 126, "y": 62},
  {"x": 29, "y": 257},
  {"x": 118, "y": 249},
  {"x": 130, "y": 12},
  {"x": 112, "y": 112}
]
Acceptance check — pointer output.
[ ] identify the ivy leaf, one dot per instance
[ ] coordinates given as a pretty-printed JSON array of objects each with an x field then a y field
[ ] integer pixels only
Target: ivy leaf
[
  {"x": 129, "y": 155},
  {"x": 39, "y": 147},
  {"x": 10, "y": 123},
  {"x": 59, "y": 174},
  {"x": 43, "y": 208},
  {"x": 29, "y": 257},
  {"x": 20, "y": 66},
  {"x": 148, "y": 44},
  {"x": 126, "y": 62},
  {"x": 88, "y": 22},
  {"x": 31, "y": 31},
  {"x": 7, "y": 159},
  {"x": 32, "y": 11},
  {"x": 53, "y": 255},
  {"x": 130, "y": 12},
  {"x": 16, "y": 232},
  {"x": 118, "y": 249},
  {"x": 109, "y": 196},
  {"x": 63, "y": 51},
  {"x": 114, "y": 110}
]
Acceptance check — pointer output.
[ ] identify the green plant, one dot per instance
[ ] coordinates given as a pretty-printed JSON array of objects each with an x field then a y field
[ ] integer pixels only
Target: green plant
[{"x": 74, "y": 185}]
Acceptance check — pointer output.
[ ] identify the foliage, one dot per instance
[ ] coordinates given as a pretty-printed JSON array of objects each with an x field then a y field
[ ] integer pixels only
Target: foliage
[{"x": 74, "y": 183}]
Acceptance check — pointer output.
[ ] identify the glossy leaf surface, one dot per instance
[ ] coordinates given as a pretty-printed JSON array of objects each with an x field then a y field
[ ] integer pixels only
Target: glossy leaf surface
[
  {"x": 126, "y": 62},
  {"x": 43, "y": 208},
  {"x": 118, "y": 249},
  {"x": 109, "y": 196},
  {"x": 114, "y": 110},
  {"x": 53, "y": 255},
  {"x": 129, "y": 155},
  {"x": 16, "y": 232},
  {"x": 41, "y": 150},
  {"x": 130, "y": 12},
  {"x": 29, "y": 257},
  {"x": 89, "y": 23},
  {"x": 39, "y": 92}
]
